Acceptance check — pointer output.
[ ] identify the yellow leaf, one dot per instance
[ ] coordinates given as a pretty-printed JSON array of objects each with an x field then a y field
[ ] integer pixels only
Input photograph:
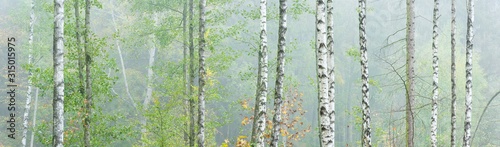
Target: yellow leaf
[{"x": 244, "y": 122}]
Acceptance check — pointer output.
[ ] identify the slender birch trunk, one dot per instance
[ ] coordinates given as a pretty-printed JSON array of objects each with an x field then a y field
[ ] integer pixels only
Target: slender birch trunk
[
  {"x": 34, "y": 118},
  {"x": 185, "y": 67},
  {"x": 191, "y": 76},
  {"x": 122, "y": 63},
  {"x": 366, "y": 139},
  {"x": 325, "y": 108},
  {"x": 202, "y": 78},
  {"x": 81, "y": 81},
  {"x": 260, "y": 111},
  {"x": 468, "y": 73},
  {"x": 30, "y": 60},
  {"x": 331, "y": 65},
  {"x": 150, "y": 77},
  {"x": 410, "y": 73},
  {"x": 88, "y": 81},
  {"x": 58, "y": 64},
  {"x": 453, "y": 76},
  {"x": 280, "y": 73},
  {"x": 435, "y": 92}
]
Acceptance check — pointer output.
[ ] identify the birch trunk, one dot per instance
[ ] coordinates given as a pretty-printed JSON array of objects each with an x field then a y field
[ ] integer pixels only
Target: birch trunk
[
  {"x": 117, "y": 43},
  {"x": 191, "y": 75},
  {"x": 468, "y": 73},
  {"x": 366, "y": 139},
  {"x": 58, "y": 64},
  {"x": 81, "y": 81},
  {"x": 453, "y": 77},
  {"x": 260, "y": 109},
  {"x": 88, "y": 80},
  {"x": 325, "y": 108},
  {"x": 435, "y": 78},
  {"x": 410, "y": 73},
  {"x": 202, "y": 78},
  {"x": 185, "y": 68},
  {"x": 280, "y": 73},
  {"x": 150, "y": 77},
  {"x": 331, "y": 65},
  {"x": 34, "y": 118},
  {"x": 30, "y": 59}
]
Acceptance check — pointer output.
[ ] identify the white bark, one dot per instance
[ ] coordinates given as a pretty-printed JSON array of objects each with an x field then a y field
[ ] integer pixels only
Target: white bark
[
  {"x": 34, "y": 118},
  {"x": 331, "y": 65},
  {"x": 150, "y": 77},
  {"x": 325, "y": 108},
  {"x": 121, "y": 62},
  {"x": 261, "y": 98},
  {"x": 468, "y": 74},
  {"x": 435, "y": 75},
  {"x": 280, "y": 73},
  {"x": 30, "y": 60},
  {"x": 58, "y": 63},
  {"x": 202, "y": 78},
  {"x": 453, "y": 77},
  {"x": 366, "y": 137}
]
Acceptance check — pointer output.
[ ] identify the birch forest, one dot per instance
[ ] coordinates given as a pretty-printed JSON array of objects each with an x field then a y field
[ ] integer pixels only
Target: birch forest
[{"x": 249, "y": 73}]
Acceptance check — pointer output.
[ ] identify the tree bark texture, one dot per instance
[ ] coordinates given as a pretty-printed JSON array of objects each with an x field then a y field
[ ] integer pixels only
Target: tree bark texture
[
  {"x": 435, "y": 78},
  {"x": 410, "y": 73},
  {"x": 58, "y": 64},
  {"x": 468, "y": 73},
  {"x": 366, "y": 139},
  {"x": 202, "y": 78},
  {"x": 280, "y": 73}
]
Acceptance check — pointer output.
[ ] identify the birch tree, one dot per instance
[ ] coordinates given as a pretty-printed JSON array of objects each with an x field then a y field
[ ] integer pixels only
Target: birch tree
[
  {"x": 122, "y": 63},
  {"x": 280, "y": 73},
  {"x": 468, "y": 73},
  {"x": 88, "y": 80},
  {"x": 202, "y": 78},
  {"x": 325, "y": 108},
  {"x": 34, "y": 118},
  {"x": 366, "y": 139},
  {"x": 191, "y": 75},
  {"x": 185, "y": 67},
  {"x": 58, "y": 65},
  {"x": 453, "y": 76},
  {"x": 150, "y": 77},
  {"x": 410, "y": 73},
  {"x": 30, "y": 60},
  {"x": 435, "y": 77},
  {"x": 259, "y": 122},
  {"x": 331, "y": 65}
]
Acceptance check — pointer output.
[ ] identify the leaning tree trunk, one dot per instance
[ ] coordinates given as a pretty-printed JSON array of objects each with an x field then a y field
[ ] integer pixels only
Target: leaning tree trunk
[
  {"x": 468, "y": 74},
  {"x": 259, "y": 123},
  {"x": 280, "y": 73},
  {"x": 58, "y": 64},
  {"x": 410, "y": 73},
  {"x": 88, "y": 80},
  {"x": 34, "y": 118},
  {"x": 150, "y": 77},
  {"x": 325, "y": 108},
  {"x": 435, "y": 78},
  {"x": 453, "y": 77},
  {"x": 191, "y": 75},
  {"x": 366, "y": 140},
  {"x": 331, "y": 65},
  {"x": 122, "y": 63},
  {"x": 202, "y": 78},
  {"x": 30, "y": 59}
]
